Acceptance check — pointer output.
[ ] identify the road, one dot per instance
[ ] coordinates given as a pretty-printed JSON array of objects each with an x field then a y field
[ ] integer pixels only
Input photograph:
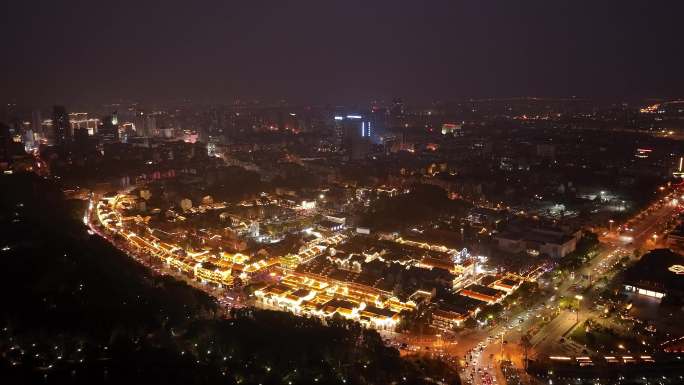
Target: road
[{"x": 504, "y": 341}]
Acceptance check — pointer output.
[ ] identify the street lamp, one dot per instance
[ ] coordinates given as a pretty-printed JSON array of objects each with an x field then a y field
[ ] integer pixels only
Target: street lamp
[
  {"x": 502, "y": 344},
  {"x": 579, "y": 303},
  {"x": 610, "y": 224}
]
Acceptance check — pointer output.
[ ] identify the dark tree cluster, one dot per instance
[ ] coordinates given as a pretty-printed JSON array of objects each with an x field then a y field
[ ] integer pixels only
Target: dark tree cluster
[{"x": 422, "y": 204}]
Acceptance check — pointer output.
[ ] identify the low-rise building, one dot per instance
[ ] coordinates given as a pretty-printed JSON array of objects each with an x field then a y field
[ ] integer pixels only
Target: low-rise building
[
  {"x": 657, "y": 274},
  {"x": 483, "y": 293},
  {"x": 447, "y": 320},
  {"x": 555, "y": 244},
  {"x": 507, "y": 284}
]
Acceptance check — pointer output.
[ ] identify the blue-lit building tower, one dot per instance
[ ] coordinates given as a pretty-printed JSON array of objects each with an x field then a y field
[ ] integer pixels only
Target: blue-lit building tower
[{"x": 353, "y": 135}]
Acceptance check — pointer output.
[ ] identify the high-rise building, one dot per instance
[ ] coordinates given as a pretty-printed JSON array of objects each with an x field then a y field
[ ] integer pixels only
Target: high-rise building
[
  {"x": 679, "y": 168},
  {"x": 81, "y": 139},
  {"x": 396, "y": 114},
  {"x": 397, "y": 109},
  {"x": 80, "y": 120},
  {"x": 60, "y": 125},
  {"x": 37, "y": 123},
  {"x": 353, "y": 135},
  {"x": 145, "y": 124},
  {"x": 8, "y": 113},
  {"x": 27, "y": 136},
  {"x": 9, "y": 145},
  {"x": 109, "y": 129},
  {"x": 139, "y": 122},
  {"x": 5, "y": 142}
]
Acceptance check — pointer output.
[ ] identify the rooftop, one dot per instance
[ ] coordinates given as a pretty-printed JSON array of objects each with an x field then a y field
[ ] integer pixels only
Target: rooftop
[
  {"x": 485, "y": 290},
  {"x": 659, "y": 269}
]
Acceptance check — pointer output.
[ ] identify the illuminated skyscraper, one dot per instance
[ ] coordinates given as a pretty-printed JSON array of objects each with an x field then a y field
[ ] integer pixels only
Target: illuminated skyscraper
[
  {"x": 36, "y": 122},
  {"x": 145, "y": 124},
  {"x": 61, "y": 127},
  {"x": 109, "y": 129},
  {"x": 353, "y": 135},
  {"x": 679, "y": 168}
]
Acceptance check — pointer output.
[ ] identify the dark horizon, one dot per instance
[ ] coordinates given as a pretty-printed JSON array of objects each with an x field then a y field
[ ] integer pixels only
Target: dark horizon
[{"x": 74, "y": 52}]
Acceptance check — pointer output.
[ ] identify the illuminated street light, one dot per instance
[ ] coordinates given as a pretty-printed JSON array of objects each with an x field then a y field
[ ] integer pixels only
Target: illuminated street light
[{"x": 579, "y": 303}]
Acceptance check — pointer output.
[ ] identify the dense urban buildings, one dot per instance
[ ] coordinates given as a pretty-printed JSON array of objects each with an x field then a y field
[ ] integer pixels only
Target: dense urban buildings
[
  {"x": 328, "y": 194},
  {"x": 448, "y": 242}
]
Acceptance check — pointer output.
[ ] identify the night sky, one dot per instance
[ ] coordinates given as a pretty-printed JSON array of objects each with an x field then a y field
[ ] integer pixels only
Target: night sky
[{"x": 63, "y": 51}]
